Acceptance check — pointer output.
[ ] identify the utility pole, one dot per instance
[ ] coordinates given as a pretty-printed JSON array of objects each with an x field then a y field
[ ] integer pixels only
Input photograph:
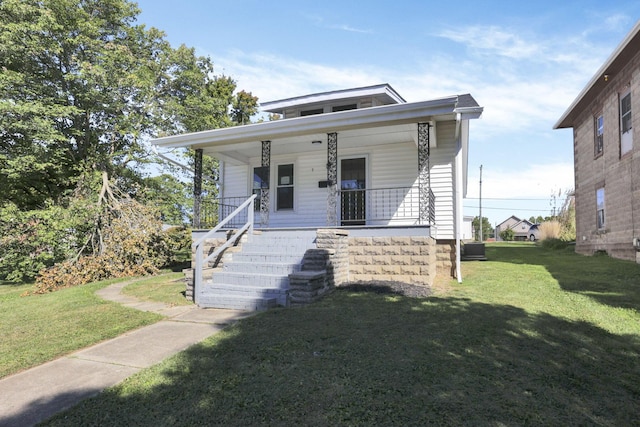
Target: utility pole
[{"x": 480, "y": 218}]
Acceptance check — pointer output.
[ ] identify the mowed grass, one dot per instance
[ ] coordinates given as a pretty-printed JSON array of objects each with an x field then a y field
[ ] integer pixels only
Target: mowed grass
[
  {"x": 39, "y": 328},
  {"x": 532, "y": 337},
  {"x": 167, "y": 288}
]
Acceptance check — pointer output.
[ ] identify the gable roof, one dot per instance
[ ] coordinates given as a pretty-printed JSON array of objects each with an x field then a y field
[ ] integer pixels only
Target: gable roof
[
  {"x": 508, "y": 219},
  {"x": 383, "y": 92},
  {"x": 629, "y": 47}
]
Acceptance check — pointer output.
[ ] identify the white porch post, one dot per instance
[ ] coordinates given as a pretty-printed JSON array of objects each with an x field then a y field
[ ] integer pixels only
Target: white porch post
[{"x": 332, "y": 178}]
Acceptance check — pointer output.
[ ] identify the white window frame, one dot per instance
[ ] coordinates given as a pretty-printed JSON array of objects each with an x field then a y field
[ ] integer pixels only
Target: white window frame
[
  {"x": 626, "y": 128},
  {"x": 280, "y": 184}
]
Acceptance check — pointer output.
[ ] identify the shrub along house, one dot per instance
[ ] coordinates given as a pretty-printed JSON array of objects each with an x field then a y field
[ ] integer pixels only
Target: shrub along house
[{"x": 348, "y": 185}]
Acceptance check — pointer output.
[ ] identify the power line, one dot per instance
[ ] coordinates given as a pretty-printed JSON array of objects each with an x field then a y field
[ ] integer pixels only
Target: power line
[
  {"x": 509, "y": 209},
  {"x": 509, "y": 199}
]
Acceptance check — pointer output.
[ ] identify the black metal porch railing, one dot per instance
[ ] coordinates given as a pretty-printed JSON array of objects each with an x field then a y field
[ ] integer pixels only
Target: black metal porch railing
[
  {"x": 213, "y": 210},
  {"x": 356, "y": 207},
  {"x": 377, "y": 205}
]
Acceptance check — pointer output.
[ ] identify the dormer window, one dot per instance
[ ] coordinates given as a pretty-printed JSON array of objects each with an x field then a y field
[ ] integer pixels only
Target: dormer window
[
  {"x": 311, "y": 112},
  {"x": 344, "y": 107}
]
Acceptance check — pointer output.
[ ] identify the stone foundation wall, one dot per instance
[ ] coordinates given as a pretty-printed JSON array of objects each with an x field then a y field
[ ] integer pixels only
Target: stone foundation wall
[
  {"x": 446, "y": 258},
  {"x": 409, "y": 259}
]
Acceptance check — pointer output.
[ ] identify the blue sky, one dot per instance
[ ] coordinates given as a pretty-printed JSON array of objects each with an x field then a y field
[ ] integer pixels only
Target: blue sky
[{"x": 524, "y": 62}]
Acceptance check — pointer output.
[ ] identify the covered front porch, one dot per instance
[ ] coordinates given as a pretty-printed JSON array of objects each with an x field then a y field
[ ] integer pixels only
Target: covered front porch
[{"x": 376, "y": 175}]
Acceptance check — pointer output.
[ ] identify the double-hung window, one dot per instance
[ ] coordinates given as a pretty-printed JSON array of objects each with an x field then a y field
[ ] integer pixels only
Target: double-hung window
[
  {"x": 626, "y": 137},
  {"x": 600, "y": 219},
  {"x": 284, "y": 191},
  {"x": 599, "y": 136}
]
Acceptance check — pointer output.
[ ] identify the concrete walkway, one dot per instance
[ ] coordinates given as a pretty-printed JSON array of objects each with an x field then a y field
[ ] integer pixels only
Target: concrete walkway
[{"x": 36, "y": 394}]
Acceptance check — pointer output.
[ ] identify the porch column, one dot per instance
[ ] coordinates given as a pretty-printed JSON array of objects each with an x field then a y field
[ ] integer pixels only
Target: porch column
[
  {"x": 264, "y": 192},
  {"x": 332, "y": 178},
  {"x": 197, "y": 187},
  {"x": 424, "y": 176}
]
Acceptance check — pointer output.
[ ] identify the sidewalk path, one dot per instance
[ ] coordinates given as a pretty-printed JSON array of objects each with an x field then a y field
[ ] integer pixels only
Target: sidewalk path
[{"x": 34, "y": 395}]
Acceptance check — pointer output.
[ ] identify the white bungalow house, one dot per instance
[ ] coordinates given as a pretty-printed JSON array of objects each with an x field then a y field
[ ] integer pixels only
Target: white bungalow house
[{"x": 353, "y": 184}]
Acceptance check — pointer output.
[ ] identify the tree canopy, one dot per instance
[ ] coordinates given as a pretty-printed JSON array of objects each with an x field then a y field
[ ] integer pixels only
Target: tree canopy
[{"x": 82, "y": 88}]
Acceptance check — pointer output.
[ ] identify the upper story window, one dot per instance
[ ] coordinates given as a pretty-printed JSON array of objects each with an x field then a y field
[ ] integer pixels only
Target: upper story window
[
  {"x": 284, "y": 191},
  {"x": 599, "y": 136},
  {"x": 311, "y": 112},
  {"x": 344, "y": 107},
  {"x": 626, "y": 136}
]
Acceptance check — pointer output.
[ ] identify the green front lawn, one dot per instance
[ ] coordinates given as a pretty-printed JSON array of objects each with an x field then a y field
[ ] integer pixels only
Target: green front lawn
[
  {"x": 532, "y": 337},
  {"x": 39, "y": 328}
]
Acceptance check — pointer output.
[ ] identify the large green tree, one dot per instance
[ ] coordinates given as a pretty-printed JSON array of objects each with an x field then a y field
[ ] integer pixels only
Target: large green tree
[{"x": 82, "y": 87}]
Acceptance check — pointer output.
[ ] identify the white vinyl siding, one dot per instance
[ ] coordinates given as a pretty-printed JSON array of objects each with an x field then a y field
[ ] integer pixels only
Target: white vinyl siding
[
  {"x": 442, "y": 169},
  {"x": 235, "y": 179},
  {"x": 389, "y": 166}
]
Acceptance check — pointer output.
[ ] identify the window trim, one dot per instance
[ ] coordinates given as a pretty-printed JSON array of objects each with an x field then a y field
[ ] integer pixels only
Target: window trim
[
  {"x": 601, "y": 219},
  {"x": 292, "y": 185},
  {"x": 598, "y": 140},
  {"x": 626, "y": 137}
]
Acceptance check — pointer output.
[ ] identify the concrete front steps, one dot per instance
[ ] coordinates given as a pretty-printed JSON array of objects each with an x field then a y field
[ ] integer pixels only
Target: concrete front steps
[{"x": 257, "y": 276}]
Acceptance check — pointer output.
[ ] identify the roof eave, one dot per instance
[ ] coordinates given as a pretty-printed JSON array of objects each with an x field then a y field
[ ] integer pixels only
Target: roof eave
[
  {"x": 597, "y": 82},
  {"x": 330, "y": 122}
]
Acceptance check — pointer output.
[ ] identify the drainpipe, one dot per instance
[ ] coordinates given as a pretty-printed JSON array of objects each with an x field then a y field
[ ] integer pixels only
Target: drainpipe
[{"x": 458, "y": 203}]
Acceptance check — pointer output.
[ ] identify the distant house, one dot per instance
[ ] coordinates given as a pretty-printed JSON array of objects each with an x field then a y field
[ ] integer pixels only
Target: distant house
[
  {"x": 607, "y": 155},
  {"x": 519, "y": 226},
  {"x": 361, "y": 165}
]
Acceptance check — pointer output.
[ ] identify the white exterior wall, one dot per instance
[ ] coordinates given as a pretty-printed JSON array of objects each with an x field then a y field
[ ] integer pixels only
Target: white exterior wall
[
  {"x": 393, "y": 165},
  {"x": 442, "y": 168}
]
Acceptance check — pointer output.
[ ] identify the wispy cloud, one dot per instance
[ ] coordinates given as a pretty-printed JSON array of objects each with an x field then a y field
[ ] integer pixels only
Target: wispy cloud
[
  {"x": 319, "y": 21},
  {"x": 493, "y": 40},
  {"x": 348, "y": 28}
]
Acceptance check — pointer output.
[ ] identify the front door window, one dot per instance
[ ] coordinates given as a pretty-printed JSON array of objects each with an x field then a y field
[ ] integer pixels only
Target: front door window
[{"x": 353, "y": 196}]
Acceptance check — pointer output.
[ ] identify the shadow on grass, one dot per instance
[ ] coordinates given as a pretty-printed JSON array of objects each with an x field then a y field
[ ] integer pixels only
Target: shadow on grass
[
  {"x": 367, "y": 359},
  {"x": 610, "y": 281}
]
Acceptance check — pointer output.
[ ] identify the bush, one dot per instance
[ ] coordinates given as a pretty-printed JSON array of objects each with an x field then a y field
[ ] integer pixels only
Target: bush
[
  {"x": 132, "y": 244},
  {"x": 507, "y": 235},
  {"x": 554, "y": 243},
  {"x": 33, "y": 240},
  {"x": 550, "y": 230}
]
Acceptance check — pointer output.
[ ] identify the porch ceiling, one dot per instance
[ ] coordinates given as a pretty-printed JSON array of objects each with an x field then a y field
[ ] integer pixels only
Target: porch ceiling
[{"x": 303, "y": 143}]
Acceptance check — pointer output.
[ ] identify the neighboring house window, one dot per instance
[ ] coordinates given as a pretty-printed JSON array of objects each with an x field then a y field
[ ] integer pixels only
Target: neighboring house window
[
  {"x": 599, "y": 140},
  {"x": 284, "y": 192},
  {"x": 311, "y": 112},
  {"x": 626, "y": 139},
  {"x": 600, "y": 208}
]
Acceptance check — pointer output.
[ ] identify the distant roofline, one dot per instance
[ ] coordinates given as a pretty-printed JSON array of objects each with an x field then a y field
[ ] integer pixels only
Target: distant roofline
[
  {"x": 384, "y": 89},
  {"x": 616, "y": 61}
]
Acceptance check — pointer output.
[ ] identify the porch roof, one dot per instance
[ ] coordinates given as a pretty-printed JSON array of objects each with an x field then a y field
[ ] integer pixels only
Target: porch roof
[{"x": 385, "y": 124}]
